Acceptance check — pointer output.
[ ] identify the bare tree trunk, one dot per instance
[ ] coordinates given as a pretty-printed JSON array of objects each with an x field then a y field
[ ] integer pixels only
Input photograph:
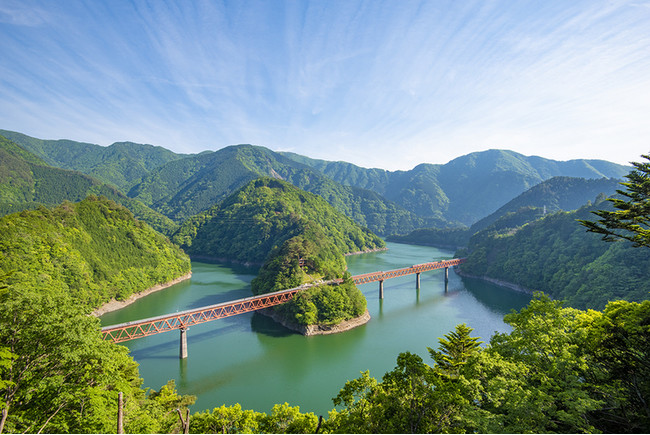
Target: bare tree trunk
[
  {"x": 120, "y": 413},
  {"x": 185, "y": 423},
  {"x": 50, "y": 418},
  {"x": 5, "y": 413}
]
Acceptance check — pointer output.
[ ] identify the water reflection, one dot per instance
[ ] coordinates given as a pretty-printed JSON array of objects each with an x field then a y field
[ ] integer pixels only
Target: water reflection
[{"x": 492, "y": 295}]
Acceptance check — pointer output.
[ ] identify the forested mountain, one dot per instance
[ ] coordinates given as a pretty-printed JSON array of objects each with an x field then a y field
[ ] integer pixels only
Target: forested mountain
[
  {"x": 122, "y": 164},
  {"x": 185, "y": 187},
  {"x": 556, "y": 255},
  {"x": 93, "y": 250},
  {"x": 554, "y": 194},
  {"x": 262, "y": 215},
  {"x": 297, "y": 236},
  {"x": 26, "y": 182},
  {"x": 462, "y": 191},
  {"x": 467, "y": 188}
]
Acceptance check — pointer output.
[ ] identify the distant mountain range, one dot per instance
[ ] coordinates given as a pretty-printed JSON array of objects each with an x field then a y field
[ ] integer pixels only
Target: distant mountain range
[
  {"x": 179, "y": 186},
  {"x": 26, "y": 182}
]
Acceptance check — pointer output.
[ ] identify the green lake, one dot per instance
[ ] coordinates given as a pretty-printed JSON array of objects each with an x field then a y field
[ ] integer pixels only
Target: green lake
[{"x": 249, "y": 359}]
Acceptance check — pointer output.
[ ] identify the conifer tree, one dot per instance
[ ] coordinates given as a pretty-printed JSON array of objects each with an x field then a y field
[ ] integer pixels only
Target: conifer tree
[{"x": 631, "y": 219}]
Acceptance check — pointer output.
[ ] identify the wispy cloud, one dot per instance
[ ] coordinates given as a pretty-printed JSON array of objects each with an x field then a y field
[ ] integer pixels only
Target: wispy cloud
[{"x": 380, "y": 83}]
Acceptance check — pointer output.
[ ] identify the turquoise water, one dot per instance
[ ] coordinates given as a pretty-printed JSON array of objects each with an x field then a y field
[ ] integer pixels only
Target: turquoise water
[{"x": 249, "y": 359}]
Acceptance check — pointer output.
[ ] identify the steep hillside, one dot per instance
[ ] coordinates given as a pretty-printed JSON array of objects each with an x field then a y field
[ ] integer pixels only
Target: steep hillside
[
  {"x": 299, "y": 238},
  {"x": 123, "y": 164},
  {"x": 555, "y": 194},
  {"x": 467, "y": 188},
  {"x": 93, "y": 250},
  {"x": 558, "y": 256},
  {"x": 264, "y": 214},
  {"x": 26, "y": 182},
  {"x": 185, "y": 187}
]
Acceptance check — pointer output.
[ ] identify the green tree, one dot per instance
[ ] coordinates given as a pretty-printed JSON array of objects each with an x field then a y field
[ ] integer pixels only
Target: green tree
[
  {"x": 456, "y": 348},
  {"x": 631, "y": 219},
  {"x": 620, "y": 346},
  {"x": 62, "y": 376},
  {"x": 226, "y": 419},
  {"x": 551, "y": 343}
]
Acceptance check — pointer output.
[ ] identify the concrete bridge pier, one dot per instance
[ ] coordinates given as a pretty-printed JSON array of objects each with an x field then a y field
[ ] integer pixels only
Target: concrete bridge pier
[
  {"x": 417, "y": 280},
  {"x": 183, "y": 350},
  {"x": 446, "y": 274},
  {"x": 381, "y": 289}
]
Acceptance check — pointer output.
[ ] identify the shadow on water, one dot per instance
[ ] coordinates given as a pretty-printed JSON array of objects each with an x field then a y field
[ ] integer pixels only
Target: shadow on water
[
  {"x": 262, "y": 324},
  {"x": 492, "y": 295},
  {"x": 236, "y": 268},
  {"x": 151, "y": 352}
]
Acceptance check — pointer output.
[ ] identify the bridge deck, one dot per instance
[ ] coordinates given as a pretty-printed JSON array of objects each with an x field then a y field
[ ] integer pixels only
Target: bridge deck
[{"x": 184, "y": 319}]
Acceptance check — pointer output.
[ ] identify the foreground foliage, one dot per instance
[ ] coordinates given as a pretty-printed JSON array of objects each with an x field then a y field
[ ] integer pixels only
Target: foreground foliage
[
  {"x": 59, "y": 376},
  {"x": 631, "y": 219},
  {"x": 560, "y": 370}
]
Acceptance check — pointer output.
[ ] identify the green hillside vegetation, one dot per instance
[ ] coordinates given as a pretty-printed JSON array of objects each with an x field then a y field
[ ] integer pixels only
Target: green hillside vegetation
[
  {"x": 93, "y": 251},
  {"x": 122, "y": 164},
  {"x": 557, "y": 256},
  {"x": 179, "y": 186},
  {"x": 183, "y": 188},
  {"x": 264, "y": 214},
  {"x": 560, "y": 370},
  {"x": 554, "y": 194},
  {"x": 273, "y": 223},
  {"x": 467, "y": 188},
  {"x": 27, "y": 182}
]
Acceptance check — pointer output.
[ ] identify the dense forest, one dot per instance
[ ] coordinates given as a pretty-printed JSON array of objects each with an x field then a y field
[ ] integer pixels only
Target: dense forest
[
  {"x": 556, "y": 255},
  {"x": 296, "y": 236},
  {"x": 559, "y": 370},
  {"x": 552, "y": 195},
  {"x": 467, "y": 188},
  {"x": 27, "y": 182},
  {"x": 459, "y": 192},
  {"x": 93, "y": 250}
]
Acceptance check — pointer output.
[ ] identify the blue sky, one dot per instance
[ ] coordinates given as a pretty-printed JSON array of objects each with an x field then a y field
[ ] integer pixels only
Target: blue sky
[{"x": 387, "y": 84}]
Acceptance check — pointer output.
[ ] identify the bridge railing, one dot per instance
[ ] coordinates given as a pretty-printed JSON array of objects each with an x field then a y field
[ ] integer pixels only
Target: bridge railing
[
  {"x": 418, "y": 268},
  {"x": 184, "y": 319}
]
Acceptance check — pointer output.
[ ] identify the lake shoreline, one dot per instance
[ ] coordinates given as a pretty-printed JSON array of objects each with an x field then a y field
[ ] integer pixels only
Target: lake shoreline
[
  {"x": 310, "y": 330},
  {"x": 498, "y": 282},
  {"x": 367, "y": 251},
  {"x": 114, "y": 305}
]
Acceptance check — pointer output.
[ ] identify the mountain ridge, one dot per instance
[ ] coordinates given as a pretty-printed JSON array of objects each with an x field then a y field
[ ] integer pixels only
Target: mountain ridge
[{"x": 460, "y": 192}]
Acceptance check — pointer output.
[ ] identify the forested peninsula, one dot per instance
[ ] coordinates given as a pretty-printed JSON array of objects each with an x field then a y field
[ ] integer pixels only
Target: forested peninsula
[
  {"x": 93, "y": 251},
  {"x": 298, "y": 238}
]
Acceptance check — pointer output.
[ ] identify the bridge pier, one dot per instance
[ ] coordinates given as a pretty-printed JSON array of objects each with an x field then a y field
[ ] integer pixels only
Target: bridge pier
[
  {"x": 446, "y": 274},
  {"x": 417, "y": 280},
  {"x": 183, "y": 350},
  {"x": 381, "y": 289}
]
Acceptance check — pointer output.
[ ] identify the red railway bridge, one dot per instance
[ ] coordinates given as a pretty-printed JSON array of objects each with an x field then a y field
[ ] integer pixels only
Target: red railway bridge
[{"x": 184, "y": 319}]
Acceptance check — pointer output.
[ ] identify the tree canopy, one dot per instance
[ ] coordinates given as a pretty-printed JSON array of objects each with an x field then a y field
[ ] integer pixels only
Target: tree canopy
[
  {"x": 631, "y": 219},
  {"x": 93, "y": 250}
]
